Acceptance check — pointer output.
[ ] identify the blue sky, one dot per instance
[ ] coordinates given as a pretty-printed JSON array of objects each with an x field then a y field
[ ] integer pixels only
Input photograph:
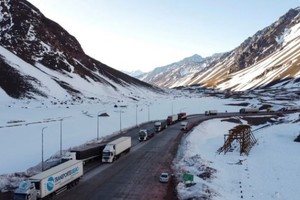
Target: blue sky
[{"x": 139, "y": 34}]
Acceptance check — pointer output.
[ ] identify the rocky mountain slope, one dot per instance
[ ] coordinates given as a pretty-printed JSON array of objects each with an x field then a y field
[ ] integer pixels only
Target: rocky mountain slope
[
  {"x": 39, "y": 59},
  {"x": 268, "y": 57},
  {"x": 176, "y": 72}
]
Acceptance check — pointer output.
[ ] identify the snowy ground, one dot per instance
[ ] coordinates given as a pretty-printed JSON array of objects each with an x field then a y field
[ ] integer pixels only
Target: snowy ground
[
  {"x": 271, "y": 171},
  {"x": 22, "y": 125}
]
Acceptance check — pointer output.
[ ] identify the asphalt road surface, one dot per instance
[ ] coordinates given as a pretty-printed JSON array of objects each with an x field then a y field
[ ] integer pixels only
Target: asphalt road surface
[{"x": 135, "y": 175}]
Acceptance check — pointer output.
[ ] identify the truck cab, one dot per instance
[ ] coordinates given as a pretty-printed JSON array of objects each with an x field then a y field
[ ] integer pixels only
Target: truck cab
[
  {"x": 25, "y": 191},
  {"x": 108, "y": 154},
  {"x": 182, "y": 116},
  {"x": 160, "y": 125},
  {"x": 143, "y": 135},
  {"x": 157, "y": 126},
  {"x": 183, "y": 126}
]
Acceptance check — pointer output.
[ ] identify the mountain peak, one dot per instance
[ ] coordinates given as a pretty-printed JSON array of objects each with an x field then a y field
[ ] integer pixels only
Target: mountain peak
[{"x": 194, "y": 58}]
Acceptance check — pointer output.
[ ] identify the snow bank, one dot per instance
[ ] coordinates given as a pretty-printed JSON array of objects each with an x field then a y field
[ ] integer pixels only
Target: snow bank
[{"x": 271, "y": 171}]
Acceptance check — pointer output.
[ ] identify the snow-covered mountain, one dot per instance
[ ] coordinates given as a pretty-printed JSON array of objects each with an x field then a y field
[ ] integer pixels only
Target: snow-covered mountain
[
  {"x": 268, "y": 57},
  {"x": 135, "y": 73},
  {"x": 39, "y": 59},
  {"x": 169, "y": 75}
]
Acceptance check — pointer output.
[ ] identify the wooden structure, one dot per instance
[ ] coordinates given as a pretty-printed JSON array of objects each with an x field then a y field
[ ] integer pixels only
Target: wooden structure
[{"x": 241, "y": 133}]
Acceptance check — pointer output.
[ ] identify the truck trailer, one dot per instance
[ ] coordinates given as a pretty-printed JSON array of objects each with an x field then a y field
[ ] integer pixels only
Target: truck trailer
[
  {"x": 160, "y": 125},
  {"x": 89, "y": 152},
  {"x": 114, "y": 149},
  {"x": 147, "y": 133},
  {"x": 49, "y": 182},
  {"x": 172, "y": 119},
  {"x": 249, "y": 110},
  {"x": 211, "y": 112}
]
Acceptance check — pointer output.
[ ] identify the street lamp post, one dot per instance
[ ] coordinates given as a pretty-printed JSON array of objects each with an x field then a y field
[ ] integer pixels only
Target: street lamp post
[
  {"x": 100, "y": 115},
  {"x": 61, "y": 126},
  {"x": 120, "y": 121},
  {"x": 120, "y": 116},
  {"x": 98, "y": 126},
  {"x": 43, "y": 148},
  {"x": 61, "y": 120},
  {"x": 148, "y": 112},
  {"x": 136, "y": 117}
]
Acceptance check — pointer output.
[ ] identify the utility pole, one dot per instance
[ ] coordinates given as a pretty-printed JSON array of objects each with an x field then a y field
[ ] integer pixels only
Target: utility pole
[{"x": 43, "y": 148}]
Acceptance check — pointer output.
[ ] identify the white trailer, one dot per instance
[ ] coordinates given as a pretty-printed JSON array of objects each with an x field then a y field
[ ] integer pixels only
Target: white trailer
[
  {"x": 211, "y": 112},
  {"x": 47, "y": 183},
  {"x": 114, "y": 149}
]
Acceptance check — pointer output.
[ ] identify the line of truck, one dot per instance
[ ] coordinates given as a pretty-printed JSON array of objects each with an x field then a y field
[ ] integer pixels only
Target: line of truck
[
  {"x": 149, "y": 132},
  {"x": 68, "y": 173}
]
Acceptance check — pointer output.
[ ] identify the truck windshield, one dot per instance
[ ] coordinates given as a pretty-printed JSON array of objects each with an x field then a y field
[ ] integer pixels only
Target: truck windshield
[
  {"x": 142, "y": 134},
  {"x": 20, "y": 197},
  {"x": 106, "y": 154}
]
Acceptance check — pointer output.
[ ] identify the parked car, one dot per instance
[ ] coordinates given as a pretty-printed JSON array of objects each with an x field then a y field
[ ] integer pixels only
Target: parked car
[{"x": 164, "y": 177}]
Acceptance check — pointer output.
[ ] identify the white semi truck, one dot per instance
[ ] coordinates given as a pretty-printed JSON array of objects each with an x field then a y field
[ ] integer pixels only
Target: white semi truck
[
  {"x": 146, "y": 133},
  {"x": 114, "y": 149},
  {"x": 211, "y": 112},
  {"x": 160, "y": 125},
  {"x": 49, "y": 182}
]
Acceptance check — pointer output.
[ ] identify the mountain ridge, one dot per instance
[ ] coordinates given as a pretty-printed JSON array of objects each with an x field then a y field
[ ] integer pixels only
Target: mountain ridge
[
  {"x": 219, "y": 70},
  {"x": 42, "y": 43}
]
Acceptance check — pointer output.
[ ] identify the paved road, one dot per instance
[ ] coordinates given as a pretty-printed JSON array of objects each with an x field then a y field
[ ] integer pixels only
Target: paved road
[{"x": 133, "y": 176}]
